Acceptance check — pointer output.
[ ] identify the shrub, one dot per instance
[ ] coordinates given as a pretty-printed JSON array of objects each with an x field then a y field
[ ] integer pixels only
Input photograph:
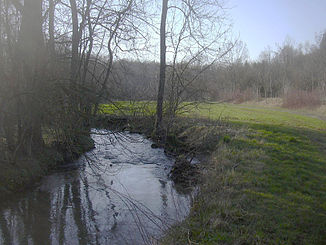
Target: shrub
[
  {"x": 296, "y": 99},
  {"x": 239, "y": 97}
]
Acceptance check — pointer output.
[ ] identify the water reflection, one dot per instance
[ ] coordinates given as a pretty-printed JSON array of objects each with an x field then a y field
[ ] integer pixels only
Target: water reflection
[{"x": 120, "y": 196}]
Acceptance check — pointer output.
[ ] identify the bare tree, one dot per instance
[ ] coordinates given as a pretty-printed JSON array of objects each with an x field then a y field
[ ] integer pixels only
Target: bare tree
[
  {"x": 197, "y": 38},
  {"x": 159, "y": 108}
]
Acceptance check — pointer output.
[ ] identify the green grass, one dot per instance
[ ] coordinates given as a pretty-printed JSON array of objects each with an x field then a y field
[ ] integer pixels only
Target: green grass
[
  {"x": 129, "y": 108},
  {"x": 271, "y": 116},
  {"x": 226, "y": 111},
  {"x": 265, "y": 182}
]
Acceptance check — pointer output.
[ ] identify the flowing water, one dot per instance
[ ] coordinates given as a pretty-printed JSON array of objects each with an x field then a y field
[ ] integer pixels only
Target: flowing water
[{"x": 118, "y": 193}]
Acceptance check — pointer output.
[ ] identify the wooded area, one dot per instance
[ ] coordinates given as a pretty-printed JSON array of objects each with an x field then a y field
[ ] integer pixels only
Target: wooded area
[
  {"x": 290, "y": 68},
  {"x": 61, "y": 59},
  {"x": 52, "y": 79}
]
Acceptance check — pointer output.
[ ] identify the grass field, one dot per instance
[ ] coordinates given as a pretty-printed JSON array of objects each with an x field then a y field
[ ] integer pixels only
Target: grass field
[
  {"x": 265, "y": 182},
  {"x": 261, "y": 115},
  {"x": 231, "y": 112}
]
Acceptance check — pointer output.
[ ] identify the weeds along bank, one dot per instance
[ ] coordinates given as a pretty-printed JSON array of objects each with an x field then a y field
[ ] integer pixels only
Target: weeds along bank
[
  {"x": 25, "y": 171},
  {"x": 265, "y": 180}
]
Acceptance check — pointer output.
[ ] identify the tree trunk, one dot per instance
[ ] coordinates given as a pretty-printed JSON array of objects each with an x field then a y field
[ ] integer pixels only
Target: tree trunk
[
  {"x": 51, "y": 29},
  {"x": 31, "y": 50},
  {"x": 75, "y": 42},
  {"x": 160, "y": 96}
]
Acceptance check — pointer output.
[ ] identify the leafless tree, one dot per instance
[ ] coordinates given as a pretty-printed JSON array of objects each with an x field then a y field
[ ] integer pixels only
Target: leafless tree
[
  {"x": 159, "y": 108},
  {"x": 197, "y": 38}
]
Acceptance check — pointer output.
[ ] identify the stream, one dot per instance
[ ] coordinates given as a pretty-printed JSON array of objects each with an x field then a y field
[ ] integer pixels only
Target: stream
[{"x": 118, "y": 193}]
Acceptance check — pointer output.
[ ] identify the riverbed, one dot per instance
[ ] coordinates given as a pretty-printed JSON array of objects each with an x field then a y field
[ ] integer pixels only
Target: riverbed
[{"x": 118, "y": 193}]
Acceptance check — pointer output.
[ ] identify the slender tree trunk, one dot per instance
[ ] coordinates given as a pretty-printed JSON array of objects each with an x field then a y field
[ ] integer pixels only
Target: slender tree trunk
[
  {"x": 160, "y": 96},
  {"x": 270, "y": 87},
  {"x": 90, "y": 39},
  {"x": 85, "y": 103},
  {"x": 75, "y": 41},
  {"x": 51, "y": 29},
  {"x": 1, "y": 43}
]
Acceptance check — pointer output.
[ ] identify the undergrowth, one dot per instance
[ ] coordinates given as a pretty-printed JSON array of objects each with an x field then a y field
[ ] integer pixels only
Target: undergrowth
[{"x": 295, "y": 99}]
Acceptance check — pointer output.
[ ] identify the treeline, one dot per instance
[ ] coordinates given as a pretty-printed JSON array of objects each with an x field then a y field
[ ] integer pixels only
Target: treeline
[
  {"x": 280, "y": 71},
  {"x": 286, "y": 71}
]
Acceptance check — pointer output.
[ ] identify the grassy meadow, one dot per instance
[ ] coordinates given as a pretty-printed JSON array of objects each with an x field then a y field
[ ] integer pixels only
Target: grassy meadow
[
  {"x": 236, "y": 113},
  {"x": 265, "y": 180}
]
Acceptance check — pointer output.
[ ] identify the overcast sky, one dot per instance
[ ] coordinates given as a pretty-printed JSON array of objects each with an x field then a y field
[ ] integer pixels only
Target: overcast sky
[{"x": 263, "y": 23}]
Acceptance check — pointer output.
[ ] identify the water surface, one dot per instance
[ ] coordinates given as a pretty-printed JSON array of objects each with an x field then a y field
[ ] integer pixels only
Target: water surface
[{"x": 118, "y": 193}]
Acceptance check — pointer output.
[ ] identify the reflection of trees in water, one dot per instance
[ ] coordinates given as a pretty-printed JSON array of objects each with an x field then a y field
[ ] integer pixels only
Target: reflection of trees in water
[
  {"x": 47, "y": 217},
  {"x": 79, "y": 213},
  {"x": 21, "y": 223},
  {"x": 71, "y": 211},
  {"x": 35, "y": 215},
  {"x": 43, "y": 217},
  {"x": 4, "y": 230},
  {"x": 63, "y": 211},
  {"x": 82, "y": 213},
  {"x": 91, "y": 212}
]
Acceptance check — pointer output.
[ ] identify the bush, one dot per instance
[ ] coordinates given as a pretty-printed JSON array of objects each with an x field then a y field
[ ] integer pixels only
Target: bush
[
  {"x": 296, "y": 99},
  {"x": 239, "y": 97}
]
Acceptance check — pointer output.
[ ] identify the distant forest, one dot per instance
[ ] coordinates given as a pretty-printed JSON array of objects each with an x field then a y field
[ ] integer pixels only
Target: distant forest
[{"x": 276, "y": 73}]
